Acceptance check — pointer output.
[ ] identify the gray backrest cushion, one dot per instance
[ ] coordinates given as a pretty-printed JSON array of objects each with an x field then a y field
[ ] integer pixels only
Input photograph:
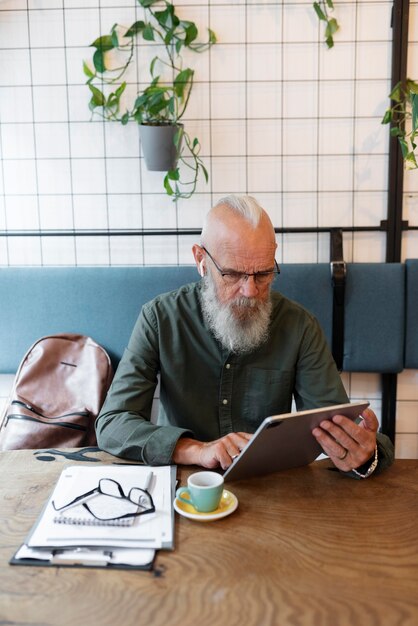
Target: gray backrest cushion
[
  {"x": 411, "y": 335},
  {"x": 374, "y": 317},
  {"x": 104, "y": 303}
]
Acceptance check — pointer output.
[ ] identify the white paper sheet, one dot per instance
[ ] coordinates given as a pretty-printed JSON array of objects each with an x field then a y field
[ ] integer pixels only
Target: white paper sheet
[{"x": 150, "y": 531}]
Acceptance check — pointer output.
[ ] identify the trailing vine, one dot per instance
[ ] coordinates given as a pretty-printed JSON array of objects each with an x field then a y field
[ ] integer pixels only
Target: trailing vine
[
  {"x": 323, "y": 9},
  {"x": 164, "y": 100},
  {"x": 403, "y": 117}
]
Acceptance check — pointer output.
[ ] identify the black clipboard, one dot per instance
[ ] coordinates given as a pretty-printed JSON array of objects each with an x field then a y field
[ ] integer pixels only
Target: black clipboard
[{"x": 34, "y": 562}]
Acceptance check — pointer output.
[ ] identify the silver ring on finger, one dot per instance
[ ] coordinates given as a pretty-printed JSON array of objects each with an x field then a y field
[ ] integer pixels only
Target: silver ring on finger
[{"x": 344, "y": 455}]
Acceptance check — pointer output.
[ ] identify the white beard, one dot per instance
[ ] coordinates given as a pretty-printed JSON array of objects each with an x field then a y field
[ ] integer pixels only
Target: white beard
[{"x": 240, "y": 325}]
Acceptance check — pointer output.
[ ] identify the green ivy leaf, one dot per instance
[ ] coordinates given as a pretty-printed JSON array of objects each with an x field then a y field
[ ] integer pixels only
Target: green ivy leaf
[
  {"x": 170, "y": 36},
  {"x": 125, "y": 118},
  {"x": 152, "y": 65},
  {"x": 331, "y": 28},
  {"x": 396, "y": 93},
  {"x": 212, "y": 36},
  {"x": 135, "y": 29},
  {"x": 87, "y": 71},
  {"x": 174, "y": 174},
  {"x": 319, "y": 12},
  {"x": 167, "y": 18},
  {"x": 414, "y": 111},
  {"x": 167, "y": 186},
  {"x": 404, "y": 148},
  {"x": 181, "y": 81},
  {"x": 103, "y": 43},
  {"x": 148, "y": 33},
  {"x": 387, "y": 118},
  {"x": 147, "y": 3},
  {"x": 115, "y": 39},
  {"x": 205, "y": 172},
  {"x": 411, "y": 86},
  {"x": 411, "y": 161},
  {"x": 190, "y": 31},
  {"x": 99, "y": 62},
  {"x": 97, "y": 98},
  {"x": 330, "y": 42}
]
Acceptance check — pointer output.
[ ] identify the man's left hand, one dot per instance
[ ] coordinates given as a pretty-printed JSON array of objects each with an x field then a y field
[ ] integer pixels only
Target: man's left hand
[{"x": 349, "y": 445}]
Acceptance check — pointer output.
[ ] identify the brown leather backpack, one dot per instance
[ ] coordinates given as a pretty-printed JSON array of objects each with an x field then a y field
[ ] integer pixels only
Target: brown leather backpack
[{"x": 57, "y": 393}]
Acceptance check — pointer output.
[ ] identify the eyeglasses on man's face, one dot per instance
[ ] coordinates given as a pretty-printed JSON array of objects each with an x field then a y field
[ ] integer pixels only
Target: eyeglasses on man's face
[
  {"x": 231, "y": 277},
  {"x": 115, "y": 504}
]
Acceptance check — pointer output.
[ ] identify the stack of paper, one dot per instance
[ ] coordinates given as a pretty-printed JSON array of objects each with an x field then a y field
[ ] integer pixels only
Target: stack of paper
[{"x": 74, "y": 537}]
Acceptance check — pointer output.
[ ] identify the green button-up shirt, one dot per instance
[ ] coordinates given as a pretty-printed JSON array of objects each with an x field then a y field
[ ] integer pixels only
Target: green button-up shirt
[{"x": 205, "y": 391}]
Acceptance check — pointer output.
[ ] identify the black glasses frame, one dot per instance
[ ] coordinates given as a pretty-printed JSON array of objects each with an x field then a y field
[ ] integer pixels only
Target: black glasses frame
[
  {"x": 99, "y": 489},
  {"x": 243, "y": 275}
]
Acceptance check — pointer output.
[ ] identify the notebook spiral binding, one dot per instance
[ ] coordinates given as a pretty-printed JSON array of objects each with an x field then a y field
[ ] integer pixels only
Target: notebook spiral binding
[{"x": 78, "y": 521}]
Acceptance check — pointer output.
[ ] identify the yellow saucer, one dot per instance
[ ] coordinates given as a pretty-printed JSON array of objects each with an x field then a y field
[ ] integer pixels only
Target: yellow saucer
[{"x": 227, "y": 505}]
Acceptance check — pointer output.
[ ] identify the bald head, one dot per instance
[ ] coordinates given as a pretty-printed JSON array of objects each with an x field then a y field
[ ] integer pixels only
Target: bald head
[{"x": 235, "y": 217}]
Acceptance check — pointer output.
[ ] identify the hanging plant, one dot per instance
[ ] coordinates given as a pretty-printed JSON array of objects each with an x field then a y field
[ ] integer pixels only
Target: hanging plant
[
  {"x": 163, "y": 101},
  {"x": 403, "y": 117},
  {"x": 322, "y": 9}
]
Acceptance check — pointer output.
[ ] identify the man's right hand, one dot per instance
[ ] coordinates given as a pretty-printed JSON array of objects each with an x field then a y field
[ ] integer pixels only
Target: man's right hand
[{"x": 211, "y": 454}]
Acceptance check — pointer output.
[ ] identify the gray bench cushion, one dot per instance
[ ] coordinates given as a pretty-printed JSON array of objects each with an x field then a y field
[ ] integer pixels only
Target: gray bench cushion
[
  {"x": 411, "y": 336},
  {"x": 309, "y": 284},
  {"x": 104, "y": 302},
  {"x": 374, "y": 317}
]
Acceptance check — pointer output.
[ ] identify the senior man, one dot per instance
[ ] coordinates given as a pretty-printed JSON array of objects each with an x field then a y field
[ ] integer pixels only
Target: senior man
[{"x": 230, "y": 351}]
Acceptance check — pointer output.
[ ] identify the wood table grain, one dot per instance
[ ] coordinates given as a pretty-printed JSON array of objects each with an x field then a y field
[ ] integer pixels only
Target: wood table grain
[{"x": 305, "y": 547}]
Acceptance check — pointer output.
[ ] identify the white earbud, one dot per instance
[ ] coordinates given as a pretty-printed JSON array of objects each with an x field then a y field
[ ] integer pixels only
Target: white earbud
[{"x": 201, "y": 270}]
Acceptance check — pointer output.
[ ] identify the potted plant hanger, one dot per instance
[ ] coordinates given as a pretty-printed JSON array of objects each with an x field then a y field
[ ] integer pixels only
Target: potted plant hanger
[
  {"x": 159, "y": 107},
  {"x": 403, "y": 117}
]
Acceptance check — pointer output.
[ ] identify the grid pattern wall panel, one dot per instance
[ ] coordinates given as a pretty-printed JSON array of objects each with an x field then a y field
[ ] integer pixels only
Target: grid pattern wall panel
[{"x": 278, "y": 115}]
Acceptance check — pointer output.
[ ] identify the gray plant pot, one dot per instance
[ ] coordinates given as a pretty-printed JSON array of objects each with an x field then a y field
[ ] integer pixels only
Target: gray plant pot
[{"x": 158, "y": 146}]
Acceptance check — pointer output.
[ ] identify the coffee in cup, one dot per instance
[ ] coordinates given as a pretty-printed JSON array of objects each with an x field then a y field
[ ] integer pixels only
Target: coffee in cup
[{"x": 204, "y": 490}]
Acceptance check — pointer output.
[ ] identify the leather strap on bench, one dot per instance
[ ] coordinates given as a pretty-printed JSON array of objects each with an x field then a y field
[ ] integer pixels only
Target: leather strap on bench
[{"x": 338, "y": 275}]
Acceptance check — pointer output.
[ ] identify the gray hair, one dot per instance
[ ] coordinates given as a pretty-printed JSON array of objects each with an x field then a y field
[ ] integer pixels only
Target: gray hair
[{"x": 247, "y": 206}]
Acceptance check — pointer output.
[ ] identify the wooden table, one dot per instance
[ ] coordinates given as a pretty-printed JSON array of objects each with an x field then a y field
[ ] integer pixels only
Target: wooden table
[{"x": 305, "y": 547}]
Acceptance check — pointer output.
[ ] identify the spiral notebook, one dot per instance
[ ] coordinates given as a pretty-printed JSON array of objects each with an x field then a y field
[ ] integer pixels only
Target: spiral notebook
[
  {"x": 104, "y": 507},
  {"x": 75, "y": 526},
  {"x": 81, "y": 517}
]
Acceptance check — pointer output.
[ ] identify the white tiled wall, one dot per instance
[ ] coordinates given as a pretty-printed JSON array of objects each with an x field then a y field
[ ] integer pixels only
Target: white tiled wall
[{"x": 278, "y": 115}]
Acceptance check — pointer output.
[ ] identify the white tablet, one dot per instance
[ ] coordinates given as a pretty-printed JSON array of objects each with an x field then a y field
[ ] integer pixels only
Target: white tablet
[{"x": 285, "y": 441}]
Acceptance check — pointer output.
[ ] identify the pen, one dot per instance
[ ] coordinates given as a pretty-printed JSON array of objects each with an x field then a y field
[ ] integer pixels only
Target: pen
[{"x": 148, "y": 482}]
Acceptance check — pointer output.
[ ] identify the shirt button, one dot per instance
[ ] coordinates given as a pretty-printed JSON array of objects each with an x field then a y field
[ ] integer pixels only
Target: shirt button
[
  {"x": 224, "y": 401},
  {"x": 228, "y": 366}
]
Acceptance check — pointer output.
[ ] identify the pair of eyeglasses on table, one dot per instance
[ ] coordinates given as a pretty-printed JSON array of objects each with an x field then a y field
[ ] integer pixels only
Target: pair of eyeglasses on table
[{"x": 141, "y": 500}]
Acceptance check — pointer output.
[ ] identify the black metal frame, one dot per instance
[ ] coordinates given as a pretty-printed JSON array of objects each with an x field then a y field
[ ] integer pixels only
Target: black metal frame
[{"x": 395, "y": 225}]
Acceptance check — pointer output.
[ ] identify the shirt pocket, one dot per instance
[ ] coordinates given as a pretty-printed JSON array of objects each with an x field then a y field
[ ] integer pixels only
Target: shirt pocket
[{"x": 267, "y": 392}]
